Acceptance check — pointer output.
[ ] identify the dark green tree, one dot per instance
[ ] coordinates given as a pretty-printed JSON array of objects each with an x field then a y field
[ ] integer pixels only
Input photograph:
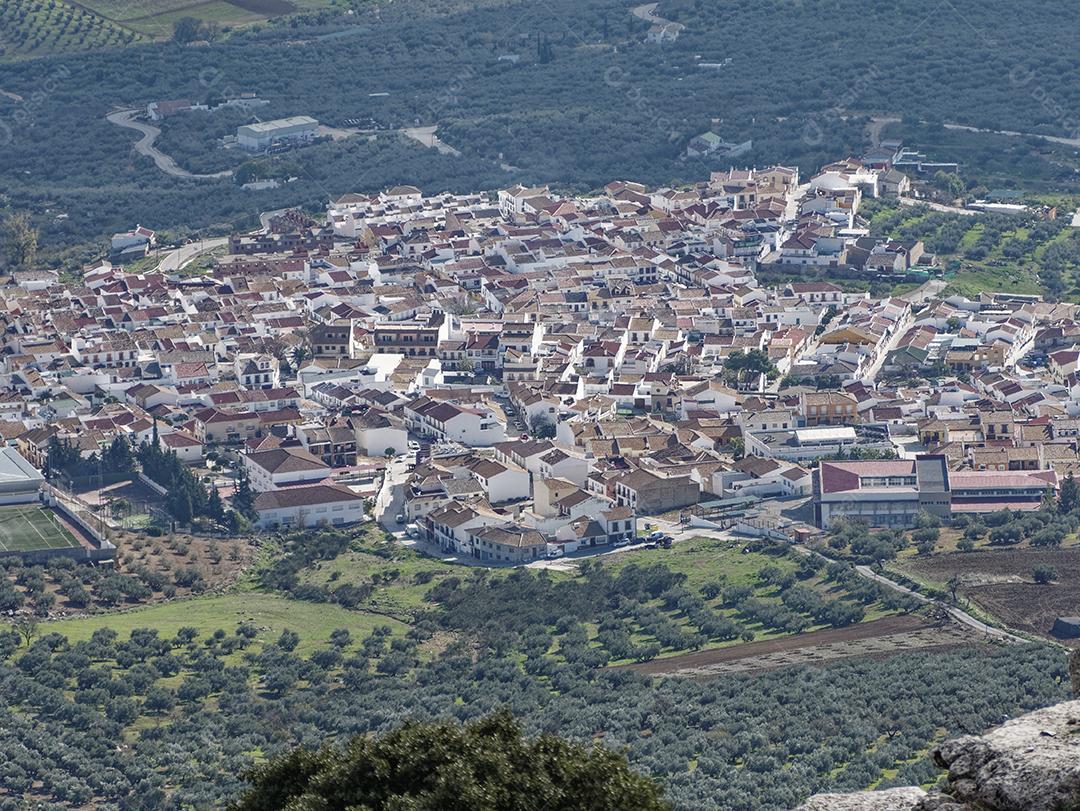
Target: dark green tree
[
  {"x": 215, "y": 508},
  {"x": 244, "y": 498},
  {"x": 1070, "y": 494},
  {"x": 486, "y": 765}
]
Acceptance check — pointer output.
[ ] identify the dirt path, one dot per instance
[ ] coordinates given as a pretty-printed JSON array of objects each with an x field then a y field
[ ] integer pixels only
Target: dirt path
[
  {"x": 944, "y": 209},
  {"x": 878, "y": 123},
  {"x": 958, "y": 614},
  {"x": 339, "y": 133},
  {"x": 427, "y": 137},
  {"x": 145, "y": 146},
  {"x": 880, "y": 637},
  {"x": 647, "y": 12}
]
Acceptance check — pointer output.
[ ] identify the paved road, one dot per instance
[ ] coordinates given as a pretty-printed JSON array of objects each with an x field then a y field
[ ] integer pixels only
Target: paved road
[
  {"x": 145, "y": 146},
  {"x": 176, "y": 259},
  {"x": 926, "y": 291},
  {"x": 958, "y": 614},
  {"x": 391, "y": 499},
  {"x": 898, "y": 332}
]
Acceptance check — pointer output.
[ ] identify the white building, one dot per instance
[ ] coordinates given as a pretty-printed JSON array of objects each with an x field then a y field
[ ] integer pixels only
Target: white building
[
  {"x": 476, "y": 426},
  {"x": 187, "y": 447},
  {"x": 378, "y": 432},
  {"x": 264, "y": 134},
  {"x": 280, "y": 467},
  {"x": 309, "y": 506}
]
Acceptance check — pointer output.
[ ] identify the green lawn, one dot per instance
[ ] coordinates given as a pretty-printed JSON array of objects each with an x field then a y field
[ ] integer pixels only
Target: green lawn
[
  {"x": 31, "y": 528},
  {"x": 705, "y": 559},
  {"x": 270, "y": 613}
]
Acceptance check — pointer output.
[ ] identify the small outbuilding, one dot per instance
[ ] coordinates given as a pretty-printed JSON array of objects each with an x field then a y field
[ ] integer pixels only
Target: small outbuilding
[{"x": 1066, "y": 628}]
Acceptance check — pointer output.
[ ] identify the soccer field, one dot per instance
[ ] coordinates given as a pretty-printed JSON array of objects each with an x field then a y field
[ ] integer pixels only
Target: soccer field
[{"x": 30, "y": 528}]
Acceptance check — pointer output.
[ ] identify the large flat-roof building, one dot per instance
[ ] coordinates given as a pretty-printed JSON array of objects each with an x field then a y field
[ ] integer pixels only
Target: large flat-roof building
[
  {"x": 891, "y": 493},
  {"x": 265, "y": 134},
  {"x": 20, "y": 481}
]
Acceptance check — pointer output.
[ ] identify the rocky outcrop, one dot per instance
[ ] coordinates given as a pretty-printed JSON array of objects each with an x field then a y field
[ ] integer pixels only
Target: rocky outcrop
[
  {"x": 891, "y": 800},
  {"x": 1031, "y": 763}
]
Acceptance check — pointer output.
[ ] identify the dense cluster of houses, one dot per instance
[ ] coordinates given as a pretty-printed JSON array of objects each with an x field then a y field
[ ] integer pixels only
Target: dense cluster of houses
[{"x": 527, "y": 373}]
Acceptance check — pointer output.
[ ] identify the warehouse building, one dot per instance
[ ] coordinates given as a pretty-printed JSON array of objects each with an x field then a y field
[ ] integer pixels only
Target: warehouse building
[
  {"x": 19, "y": 480},
  {"x": 265, "y": 134}
]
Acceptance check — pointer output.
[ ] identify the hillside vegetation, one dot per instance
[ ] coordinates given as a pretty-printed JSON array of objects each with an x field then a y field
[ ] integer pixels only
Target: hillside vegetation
[
  {"x": 565, "y": 92},
  {"x": 339, "y": 635}
]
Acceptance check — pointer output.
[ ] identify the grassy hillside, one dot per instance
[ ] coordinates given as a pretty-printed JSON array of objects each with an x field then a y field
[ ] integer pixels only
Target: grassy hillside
[{"x": 1006, "y": 253}]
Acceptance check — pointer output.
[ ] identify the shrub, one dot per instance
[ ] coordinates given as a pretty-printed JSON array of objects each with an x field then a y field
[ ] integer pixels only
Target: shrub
[{"x": 1044, "y": 574}]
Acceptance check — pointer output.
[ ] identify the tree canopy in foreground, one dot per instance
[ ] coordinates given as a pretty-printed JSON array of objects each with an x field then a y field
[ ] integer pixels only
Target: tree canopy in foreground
[{"x": 487, "y": 765}]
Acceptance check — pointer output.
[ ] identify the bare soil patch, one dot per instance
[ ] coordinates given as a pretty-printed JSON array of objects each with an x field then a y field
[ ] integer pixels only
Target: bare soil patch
[
  {"x": 173, "y": 567},
  {"x": 1000, "y": 581},
  {"x": 269, "y": 8},
  {"x": 878, "y": 638}
]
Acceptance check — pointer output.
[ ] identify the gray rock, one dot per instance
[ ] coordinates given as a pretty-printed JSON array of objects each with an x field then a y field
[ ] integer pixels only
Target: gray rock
[
  {"x": 1031, "y": 763},
  {"x": 897, "y": 799}
]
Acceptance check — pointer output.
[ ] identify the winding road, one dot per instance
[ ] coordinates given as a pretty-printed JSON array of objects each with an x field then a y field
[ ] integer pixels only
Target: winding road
[{"x": 145, "y": 146}]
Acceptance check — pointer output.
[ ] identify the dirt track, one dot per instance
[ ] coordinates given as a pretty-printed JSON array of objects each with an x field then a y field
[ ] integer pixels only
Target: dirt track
[{"x": 884, "y": 636}]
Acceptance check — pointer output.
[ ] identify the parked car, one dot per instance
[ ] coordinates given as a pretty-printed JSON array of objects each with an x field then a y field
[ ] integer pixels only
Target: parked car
[
  {"x": 619, "y": 544},
  {"x": 414, "y": 445},
  {"x": 655, "y": 536},
  {"x": 552, "y": 554},
  {"x": 400, "y": 518}
]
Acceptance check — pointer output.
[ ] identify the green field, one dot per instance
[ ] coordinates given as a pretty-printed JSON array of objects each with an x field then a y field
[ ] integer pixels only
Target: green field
[
  {"x": 270, "y": 613},
  {"x": 30, "y": 28},
  {"x": 33, "y": 28},
  {"x": 156, "y": 18},
  {"x": 32, "y": 529}
]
